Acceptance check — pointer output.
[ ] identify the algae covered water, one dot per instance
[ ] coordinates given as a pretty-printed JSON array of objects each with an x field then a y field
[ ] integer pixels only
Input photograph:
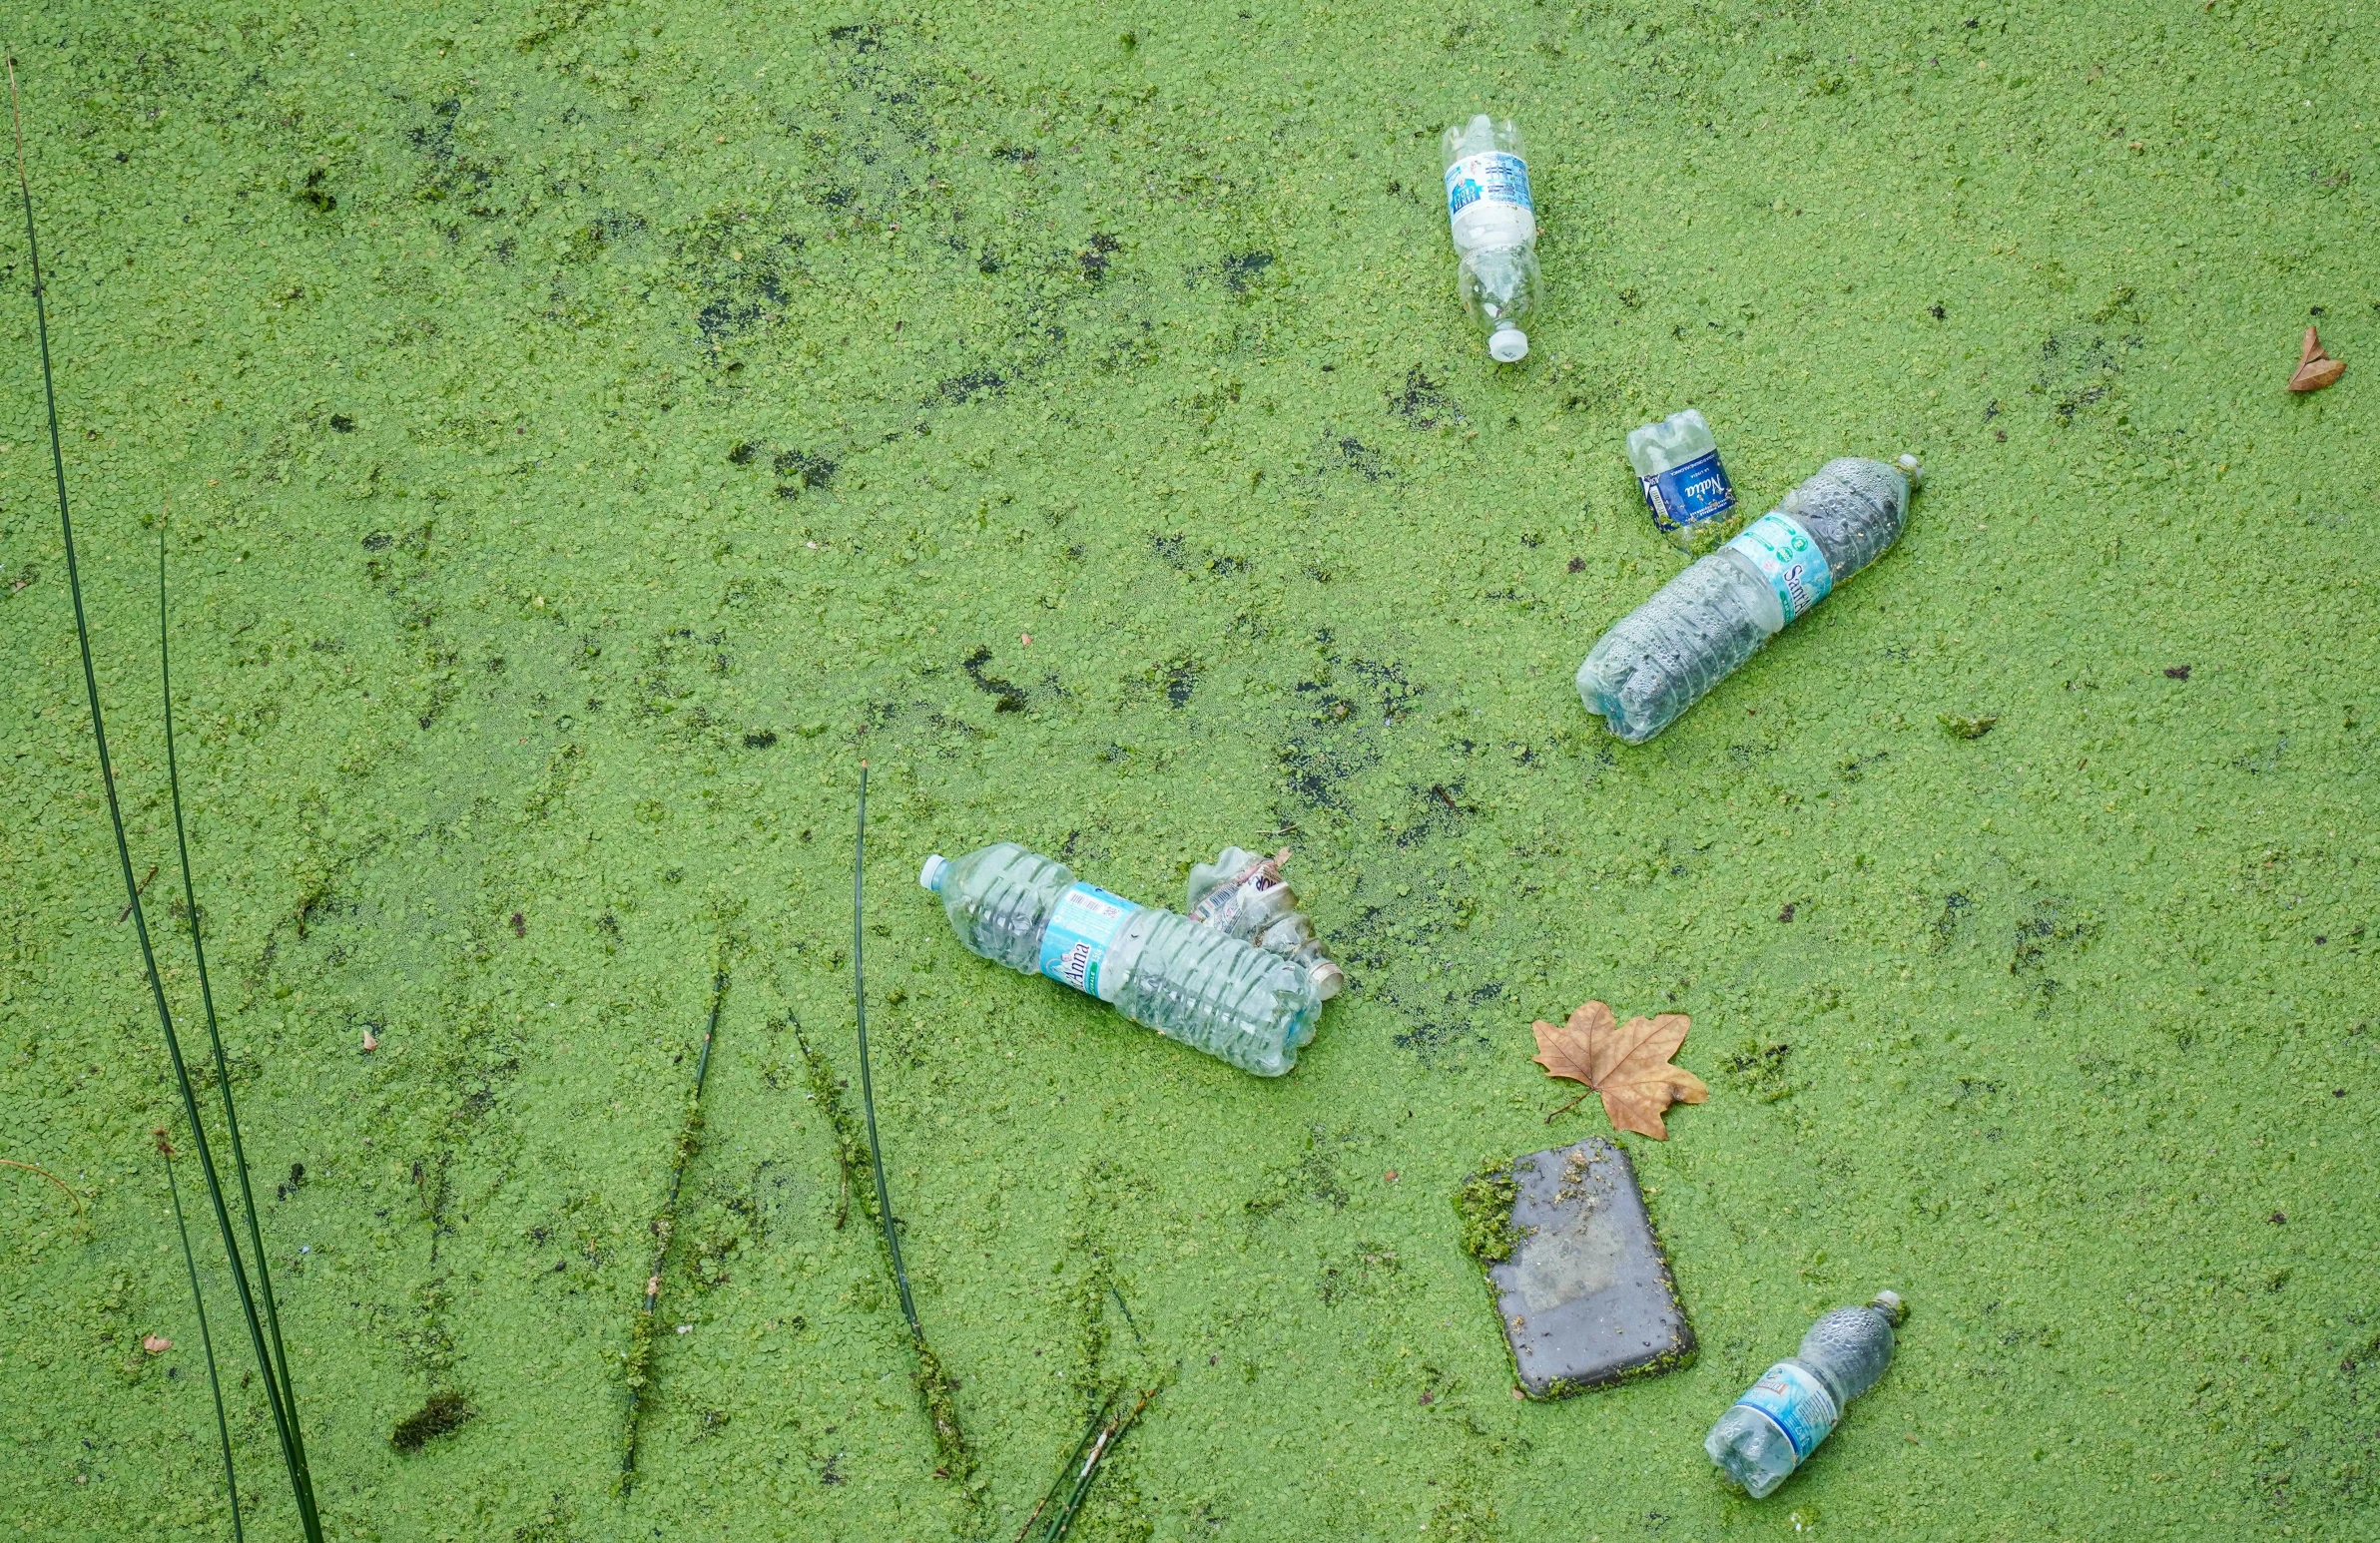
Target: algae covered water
[{"x": 584, "y": 433}]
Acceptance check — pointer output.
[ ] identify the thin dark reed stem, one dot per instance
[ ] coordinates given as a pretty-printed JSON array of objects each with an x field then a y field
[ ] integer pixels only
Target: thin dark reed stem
[
  {"x": 1066, "y": 1469},
  {"x": 222, "y": 1070},
  {"x": 934, "y": 1386},
  {"x": 1106, "y": 1430},
  {"x": 301, "y": 1483},
  {"x": 694, "y": 1115},
  {"x": 876, "y": 1152},
  {"x": 198, "y": 1299},
  {"x": 644, "y": 1336}
]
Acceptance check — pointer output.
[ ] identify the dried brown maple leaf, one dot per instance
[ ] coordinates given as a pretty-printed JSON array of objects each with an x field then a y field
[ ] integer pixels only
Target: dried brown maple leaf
[
  {"x": 1629, "y": 1066},
  {"x": 2315, "y": 368}
]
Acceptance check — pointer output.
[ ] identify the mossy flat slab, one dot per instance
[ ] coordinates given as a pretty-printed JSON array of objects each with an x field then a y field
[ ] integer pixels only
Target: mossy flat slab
[{"x": 1586, "y": 1298}]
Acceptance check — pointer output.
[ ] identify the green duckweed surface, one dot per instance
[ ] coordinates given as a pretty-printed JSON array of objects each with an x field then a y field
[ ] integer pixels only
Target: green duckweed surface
[{"x": 585, "y": 431}]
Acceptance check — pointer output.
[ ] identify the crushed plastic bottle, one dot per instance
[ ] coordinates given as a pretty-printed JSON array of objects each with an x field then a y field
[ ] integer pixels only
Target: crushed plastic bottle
[
  {"x": 1677, "y": 462},
  {"x": 1657, "y": 661},
  {"x": 1494, "y": 221},
  {"x": 1188, "y": 981},
  {"x": 1243, "y": 895},
  {"x": 1781, "y": 1418}
]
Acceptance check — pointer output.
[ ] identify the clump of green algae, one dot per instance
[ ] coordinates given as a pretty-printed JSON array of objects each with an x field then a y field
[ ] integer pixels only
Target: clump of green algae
[{"x": 1484, "y": 1214}]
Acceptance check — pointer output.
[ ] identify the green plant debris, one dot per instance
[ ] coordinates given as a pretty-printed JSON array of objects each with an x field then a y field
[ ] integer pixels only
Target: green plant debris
[
  {"x": 850, "y": 1139},
  {"x": 1153, "y": 356},
  {"x": 1967, "y": 727},
  {"x": 937, "y": 1389},
  {"x": 644, "y": 1336},
  {"x": 1484, "y": 1214}
]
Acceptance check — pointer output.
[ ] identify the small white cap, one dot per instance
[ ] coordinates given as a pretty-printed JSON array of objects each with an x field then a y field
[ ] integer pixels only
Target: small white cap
[
  {"x": 1909, "y": 469},
  {"x": 930, "y": 876},
  {"x": 1508, "y": 345}
]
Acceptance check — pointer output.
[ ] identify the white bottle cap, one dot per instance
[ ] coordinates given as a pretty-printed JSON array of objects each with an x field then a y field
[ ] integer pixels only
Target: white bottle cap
[
  {"x": 1508, "y": 345},
  {"x": 931, "y": 875}
]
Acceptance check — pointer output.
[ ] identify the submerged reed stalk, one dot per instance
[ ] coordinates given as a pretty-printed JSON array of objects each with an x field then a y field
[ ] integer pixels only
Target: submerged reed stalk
[
  {"x": 665, "y": 1226},
  {"x": 934, "y": 1386},
  {"x": 1054, "y": 1517},
  {"x": 277, "y": 1390},
  {"x": 198, "y": 1299}
]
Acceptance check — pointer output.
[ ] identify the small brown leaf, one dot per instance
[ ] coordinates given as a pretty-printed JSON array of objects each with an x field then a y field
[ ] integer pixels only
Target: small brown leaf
[
  {"x": 156, "y": 1345},
  {"x": 1629, "y": 1066},
  {"x": 371, "y": 1041},
  {"x": 2315, "y": 368},
  {"x": 2315, "y": 376}
]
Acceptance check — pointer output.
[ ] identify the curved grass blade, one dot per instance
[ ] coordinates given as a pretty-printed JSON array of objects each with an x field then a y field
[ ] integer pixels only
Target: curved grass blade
[
  {"x": 222, "y": 1072},
  {"x": 198, "y": 1299},
  {"x": 284, "y": 1416},
  {"x": 875, "y": 1150},
  {"x": 957, "y": 1458}
]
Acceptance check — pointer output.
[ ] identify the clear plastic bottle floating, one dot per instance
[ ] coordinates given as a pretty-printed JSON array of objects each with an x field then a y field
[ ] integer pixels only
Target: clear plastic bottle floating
[
  {"x": 1677, "y": 462},
  {"x": 1243, "y": 896},
  {"x": 1700, "y": 626},
  {"x": 1188, "y": 981},
  {"x": 1781, "y": 1418},
  {"x": 1494, "y": 224}
]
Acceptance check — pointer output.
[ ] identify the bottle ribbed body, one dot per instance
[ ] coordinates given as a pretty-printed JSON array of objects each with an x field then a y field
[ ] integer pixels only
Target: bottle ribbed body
[
  {"x": 1660, "y": 658},
  {"x": 1214, "y": 992},
  {"x": 998, "y": 902},
  {"x": 1701, "y": 625},
  {"x": 1236, "y": 1002}
]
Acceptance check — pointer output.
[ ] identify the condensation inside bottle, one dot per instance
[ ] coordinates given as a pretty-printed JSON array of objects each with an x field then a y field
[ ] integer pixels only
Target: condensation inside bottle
[{"x": 1701, "y": 625}]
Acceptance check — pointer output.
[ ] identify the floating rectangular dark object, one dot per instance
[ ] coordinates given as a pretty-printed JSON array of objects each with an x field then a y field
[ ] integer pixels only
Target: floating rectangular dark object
[{"x": 1586, "y": 1296}]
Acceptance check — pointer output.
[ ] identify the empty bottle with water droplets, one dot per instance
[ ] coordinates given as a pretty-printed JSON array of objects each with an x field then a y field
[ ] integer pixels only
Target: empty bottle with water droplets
[
  {"x": 1677, "y": 464},
  {"x": 1659, "y": 658},
  {"x": 1495, "y": 220},
  {"x": 1781, "y": 1418},
  {"x": 1188, "y": 981}
]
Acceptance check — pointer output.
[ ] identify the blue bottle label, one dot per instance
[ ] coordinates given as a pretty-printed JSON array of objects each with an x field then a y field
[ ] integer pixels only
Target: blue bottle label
[
  {"x": 1083, "y": 925},
  {"x": 1497, "y": 177},
  {"x": 1690, "y": 494},
  {"x": 1797, "y": 1403},
  {"x": 1788, "y": 557}
]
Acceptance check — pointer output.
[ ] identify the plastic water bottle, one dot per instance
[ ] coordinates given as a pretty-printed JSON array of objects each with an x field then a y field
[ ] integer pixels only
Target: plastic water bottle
[
  {"x": 1659, "y": 660},
  {"x": 1496, "y": 230},
  {"x": 1166, "y": 972},
  {"x": 1781, "y": 1418},
  {"x": 1243, "y": 896},
  {"x": 1677, "y": 461}
]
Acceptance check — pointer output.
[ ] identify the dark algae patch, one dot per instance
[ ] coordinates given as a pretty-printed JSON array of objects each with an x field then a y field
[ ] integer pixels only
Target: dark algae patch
[
  {"x": 729, "y": 373},
  {"x": 444, "y": 1414}
]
